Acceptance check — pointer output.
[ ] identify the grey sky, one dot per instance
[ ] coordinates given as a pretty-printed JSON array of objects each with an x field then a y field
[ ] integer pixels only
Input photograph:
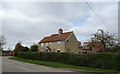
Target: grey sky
[{"x": 29, "y": 22}]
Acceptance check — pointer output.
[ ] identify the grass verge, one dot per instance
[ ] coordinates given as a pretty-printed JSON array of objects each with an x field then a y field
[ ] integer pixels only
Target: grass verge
[{"x": 60, "y": 65}]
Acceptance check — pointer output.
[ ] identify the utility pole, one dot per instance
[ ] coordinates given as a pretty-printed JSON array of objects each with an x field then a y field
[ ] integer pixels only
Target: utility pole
[{"x": 119, "y": 23}]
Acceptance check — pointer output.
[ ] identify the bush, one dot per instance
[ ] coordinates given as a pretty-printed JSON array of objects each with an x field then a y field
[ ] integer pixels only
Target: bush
[
  {"x": 34, "y": 47},
  {"x": 115, "y": 49},
  {"x": 97, "y": 60}
]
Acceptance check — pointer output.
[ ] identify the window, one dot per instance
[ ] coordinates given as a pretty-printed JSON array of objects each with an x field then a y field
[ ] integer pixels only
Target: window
[
  {"x": 46, "y": 44},
  {"x": 49, "y": 42},
  {"x": 59, "y": 43},
  {"x": 90, "y": 48},
  {"x": 93, "y": 49},
  {"x": 58, "y": 50},
  {"x": 42, "y": 44}
]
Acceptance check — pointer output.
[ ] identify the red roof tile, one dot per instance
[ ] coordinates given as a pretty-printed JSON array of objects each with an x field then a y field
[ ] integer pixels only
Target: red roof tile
[{"x": 56, "y": 37}]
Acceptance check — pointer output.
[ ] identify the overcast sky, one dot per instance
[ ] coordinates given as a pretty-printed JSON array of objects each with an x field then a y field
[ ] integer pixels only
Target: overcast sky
[{"x": 29, "y": 22}]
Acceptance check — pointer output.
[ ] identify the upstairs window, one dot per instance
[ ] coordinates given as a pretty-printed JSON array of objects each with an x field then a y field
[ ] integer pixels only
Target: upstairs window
[
  {"x": 59, "y": 43},
  {"x": 46, "y": 44},
  {"x": 49, "y": 42}
]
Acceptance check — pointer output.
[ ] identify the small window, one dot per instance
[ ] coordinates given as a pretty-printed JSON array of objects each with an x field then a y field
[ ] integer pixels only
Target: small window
[
  {"x": 90, "y": 48},
  {"x": 49, "y": 42},
  {"x": 46, "y": 44},
  {"x": 42, "y": 44},
  {"x": 59, "y": 43},
  {"x": 58, "y": 50}
]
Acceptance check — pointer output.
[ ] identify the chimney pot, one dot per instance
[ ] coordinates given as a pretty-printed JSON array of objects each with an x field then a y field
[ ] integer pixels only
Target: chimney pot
[{"x": 60, "y": 31}]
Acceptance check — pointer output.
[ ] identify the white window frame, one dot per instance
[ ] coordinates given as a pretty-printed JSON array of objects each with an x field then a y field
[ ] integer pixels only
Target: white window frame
[
  {"x": 49, "y": 42},
  {"x": 46, "y": 44},
  {"x": 58, "y": 43}
]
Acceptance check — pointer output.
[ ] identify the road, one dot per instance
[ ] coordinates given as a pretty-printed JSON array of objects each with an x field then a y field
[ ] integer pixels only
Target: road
[
  {"x": 9, "y": 65},
  {"x": 17, "y": 66}
]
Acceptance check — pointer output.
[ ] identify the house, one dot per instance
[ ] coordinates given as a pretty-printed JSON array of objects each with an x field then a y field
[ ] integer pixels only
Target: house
[
  {"x": 60, "y": 42},
  {"x": 92, "y": 47}
]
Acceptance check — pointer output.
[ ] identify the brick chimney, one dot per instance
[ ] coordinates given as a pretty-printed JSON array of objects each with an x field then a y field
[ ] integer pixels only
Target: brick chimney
[{"x": 60, "y": 31}]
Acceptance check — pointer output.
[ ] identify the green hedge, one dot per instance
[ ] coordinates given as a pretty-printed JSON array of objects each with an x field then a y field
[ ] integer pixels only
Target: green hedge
[{"x": 97, "y": 60}]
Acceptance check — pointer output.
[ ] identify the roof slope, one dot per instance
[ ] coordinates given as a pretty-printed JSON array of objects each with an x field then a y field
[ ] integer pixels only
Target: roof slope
[{"x": 56, "y": 37}]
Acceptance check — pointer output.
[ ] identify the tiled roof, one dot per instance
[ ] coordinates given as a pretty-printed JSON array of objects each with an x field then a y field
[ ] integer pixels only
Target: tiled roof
[{"x": 56, "y": 37}]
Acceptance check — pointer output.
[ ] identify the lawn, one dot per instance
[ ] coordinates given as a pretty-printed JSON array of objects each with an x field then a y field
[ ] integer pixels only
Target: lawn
[{"x": 60, "y": 65}]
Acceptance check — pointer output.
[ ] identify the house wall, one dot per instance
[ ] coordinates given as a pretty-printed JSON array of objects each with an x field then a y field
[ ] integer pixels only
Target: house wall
[
  {"x": 53, "y": 46},
  {"x": 72, "y": 44}
]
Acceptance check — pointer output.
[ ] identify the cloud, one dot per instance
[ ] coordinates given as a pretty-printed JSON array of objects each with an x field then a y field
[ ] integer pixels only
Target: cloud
[
  {"x": 109, "y": 16},
  {"x": 2, "y": 13},
  {"x": 30, "y": 22},
  {"x": 16, "y": 14}
]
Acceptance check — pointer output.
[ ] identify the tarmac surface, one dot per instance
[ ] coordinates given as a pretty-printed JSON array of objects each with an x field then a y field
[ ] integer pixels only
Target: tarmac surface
[{"x": 9, "y": 65}]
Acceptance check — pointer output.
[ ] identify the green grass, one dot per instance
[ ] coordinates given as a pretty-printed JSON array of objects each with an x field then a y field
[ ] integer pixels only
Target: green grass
[{"x": 60, "y": 65}]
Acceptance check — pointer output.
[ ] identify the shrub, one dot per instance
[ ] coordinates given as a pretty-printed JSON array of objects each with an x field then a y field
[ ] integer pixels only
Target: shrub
[
  {"x": 115, "y": 49},
  {"x": 96, "y": 60},
  {"x": 34, "y": 47}
]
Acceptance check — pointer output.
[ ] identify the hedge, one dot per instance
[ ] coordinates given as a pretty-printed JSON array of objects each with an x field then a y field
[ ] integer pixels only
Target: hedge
[{"x": 96, "y": 60}]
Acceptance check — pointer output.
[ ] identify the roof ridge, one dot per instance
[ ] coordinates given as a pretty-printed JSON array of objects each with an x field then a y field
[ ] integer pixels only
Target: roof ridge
[{"x": 56, "y": 37}]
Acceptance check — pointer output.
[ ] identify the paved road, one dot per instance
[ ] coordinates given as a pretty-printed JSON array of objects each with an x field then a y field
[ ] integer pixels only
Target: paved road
[{"x": 17, "y": 66}]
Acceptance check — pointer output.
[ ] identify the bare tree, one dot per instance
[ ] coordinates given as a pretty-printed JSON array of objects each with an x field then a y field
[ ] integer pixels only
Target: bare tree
[
  {"x": 108, "y": 40},
  {"x": 2, "y": 41}
]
